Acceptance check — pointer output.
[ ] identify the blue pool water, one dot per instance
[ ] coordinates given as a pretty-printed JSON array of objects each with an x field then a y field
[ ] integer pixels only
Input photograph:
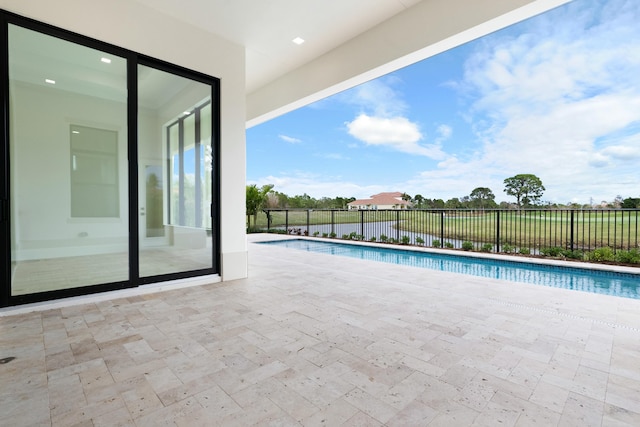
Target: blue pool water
[{"x": 582, "y": 279}]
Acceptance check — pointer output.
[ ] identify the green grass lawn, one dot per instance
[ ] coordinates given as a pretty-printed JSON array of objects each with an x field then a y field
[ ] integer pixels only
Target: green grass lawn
[{"x": 531, "y": 229}]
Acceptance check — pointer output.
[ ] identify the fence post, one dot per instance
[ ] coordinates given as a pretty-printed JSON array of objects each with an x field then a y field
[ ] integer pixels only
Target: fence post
[
  {"x": 286, "y": 221},
  {"x": 308, "y": 213},
  {"x": 442, "y": 228},
  {"x": 333, "y": 221},
  {"x": 497, "y": 231},
  {"x": 268, "y": 212},
  {"x": 362, "y": 223},
  {"x": 398, "y": 225},
  {"x": 571, "y": 234}
]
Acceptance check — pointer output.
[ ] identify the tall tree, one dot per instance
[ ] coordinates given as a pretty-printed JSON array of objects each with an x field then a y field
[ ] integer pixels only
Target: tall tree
[
  {"x": 482, "y": 197},
  {"x": 526, "y": 188},
  {"x": 256, "y": 198},
  {"x": 418, "y": 199},
  {"x": 630, "y": 203}
]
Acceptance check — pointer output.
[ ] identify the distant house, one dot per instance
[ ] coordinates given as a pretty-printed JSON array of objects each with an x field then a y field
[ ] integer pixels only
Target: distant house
[{"x": 381, "y": 201}]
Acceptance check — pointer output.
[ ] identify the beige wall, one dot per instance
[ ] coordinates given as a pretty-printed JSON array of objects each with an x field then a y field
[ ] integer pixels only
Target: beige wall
[{"x": 132, "y": 26}]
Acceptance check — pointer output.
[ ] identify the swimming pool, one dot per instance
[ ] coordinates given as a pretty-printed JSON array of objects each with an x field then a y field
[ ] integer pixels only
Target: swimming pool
[{"x": 625, "y": 285}]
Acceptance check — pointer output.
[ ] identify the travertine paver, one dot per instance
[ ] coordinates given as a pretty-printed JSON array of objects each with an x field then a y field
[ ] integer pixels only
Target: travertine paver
[{"x": 314, "y": 339}]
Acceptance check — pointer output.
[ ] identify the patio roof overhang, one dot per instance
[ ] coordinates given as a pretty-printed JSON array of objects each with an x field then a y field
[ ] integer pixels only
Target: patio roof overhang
[{"x": 418, "y": 32}]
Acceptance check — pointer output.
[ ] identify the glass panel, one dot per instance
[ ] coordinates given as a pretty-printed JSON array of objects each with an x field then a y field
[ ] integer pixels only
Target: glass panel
[
  {"x": 174, "y": 132},
  {"x": 68, "y": 121}
]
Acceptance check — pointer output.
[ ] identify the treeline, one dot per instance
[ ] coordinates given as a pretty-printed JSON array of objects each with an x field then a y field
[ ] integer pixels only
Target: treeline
[
  {"x": 278, "y": 200},
  {"x": 527, "y": 189},
  {"x": 467, "y": 202}
]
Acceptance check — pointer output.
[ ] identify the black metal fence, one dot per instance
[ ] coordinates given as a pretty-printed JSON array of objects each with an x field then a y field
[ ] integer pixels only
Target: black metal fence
[{"x": 495, "y": 229}]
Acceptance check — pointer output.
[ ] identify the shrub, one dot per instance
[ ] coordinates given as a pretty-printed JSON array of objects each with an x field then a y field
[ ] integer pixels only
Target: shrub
[
  {"x": 448, "y": 245},
  {"x": 487, "y": 247},
  {"x": 405, "y": 240},
  {"x": 602, "y": 254},
  {"x": 315, "y": 233},
  {"x": 628, "y": 257},
  {"x": 393, "y": 240},
  {"x": 325, "y": 235},
  {"x": 419, "y": 240},
  {"x": 358, "y": 237},
  {"x": 353, "y": 235},
  {"x": 507, "y": 248},
  {"x": 552, "y": 252},
  {"x": 383, "y": 238},
  {"x": 436, "y": 243},
  {"x": 332, "y": 235},
  {"x": 467, "y": 245},
  {"x": 524, "y": 251},
  {"x": 372, "y": 239},
  {"x": 575, "y": 254},
  {"x": 346, "y": 237}
]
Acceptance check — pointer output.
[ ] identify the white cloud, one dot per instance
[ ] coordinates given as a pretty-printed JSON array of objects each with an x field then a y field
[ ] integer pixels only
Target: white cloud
[
  {"x": 289, "y": 139},
  {"x": 623, "y": 152},
  {"x": 377, "y": 96},
  {"x": 381, "y": 131},
  {"x": 397, "y": 133},
  {"x": 597, "y": 160},
  {"x": 444, "y": 131}
]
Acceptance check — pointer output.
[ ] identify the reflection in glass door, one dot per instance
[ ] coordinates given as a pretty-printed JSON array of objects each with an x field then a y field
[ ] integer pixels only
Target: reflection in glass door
[
  {"x": 152, "y": 230},
  {"x": 175, "y": 205},
  {"x": 154, "y": 226}
]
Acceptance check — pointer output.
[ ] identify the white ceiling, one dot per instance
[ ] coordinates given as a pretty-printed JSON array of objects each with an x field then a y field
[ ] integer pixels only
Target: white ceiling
[{"x": 267, "y": 27}]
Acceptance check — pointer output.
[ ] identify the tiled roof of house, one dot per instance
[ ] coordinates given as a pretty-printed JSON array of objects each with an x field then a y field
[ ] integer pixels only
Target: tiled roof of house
[{"x": 393, "y": 198}]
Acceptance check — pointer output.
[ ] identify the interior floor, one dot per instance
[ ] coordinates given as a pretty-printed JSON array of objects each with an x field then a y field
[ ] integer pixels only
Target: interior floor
[{"x": 70, "y": 272}]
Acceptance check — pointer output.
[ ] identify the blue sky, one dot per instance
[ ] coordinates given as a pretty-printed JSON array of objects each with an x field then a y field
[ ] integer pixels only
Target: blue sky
[{"x": 557, "y": 96}]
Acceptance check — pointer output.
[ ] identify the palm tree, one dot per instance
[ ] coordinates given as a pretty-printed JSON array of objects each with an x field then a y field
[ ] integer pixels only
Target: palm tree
[{"x": 256, "y": 198}]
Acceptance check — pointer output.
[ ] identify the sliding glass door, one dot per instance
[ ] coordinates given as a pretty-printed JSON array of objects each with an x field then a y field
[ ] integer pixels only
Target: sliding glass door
[
  {"x": 174, "y": 146},
  {"x": 110, "y": 163}
]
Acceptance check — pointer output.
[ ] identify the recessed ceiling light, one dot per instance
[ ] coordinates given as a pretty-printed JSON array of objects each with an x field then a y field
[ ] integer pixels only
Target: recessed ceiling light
[
  {"x": 298, "y": 40},
  {"x": 186, "y": 113},
  {"x": 75, "y": 131},
  {"x": 105, "y": 60},
  {"x": 51, "y": 82}
]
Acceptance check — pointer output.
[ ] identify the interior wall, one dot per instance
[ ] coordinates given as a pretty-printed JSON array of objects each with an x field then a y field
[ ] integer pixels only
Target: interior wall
[
  {"x": 130, "y": 25},
  {"x": 41, "y": 126}
]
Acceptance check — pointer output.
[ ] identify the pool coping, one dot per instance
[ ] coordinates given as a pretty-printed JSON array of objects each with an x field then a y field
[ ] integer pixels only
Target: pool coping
[{"x": 265, "y": 237}]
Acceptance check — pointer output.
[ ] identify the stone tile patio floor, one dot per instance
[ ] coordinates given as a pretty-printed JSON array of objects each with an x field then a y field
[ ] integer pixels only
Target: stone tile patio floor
[{"x": 319, "y": 340}]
